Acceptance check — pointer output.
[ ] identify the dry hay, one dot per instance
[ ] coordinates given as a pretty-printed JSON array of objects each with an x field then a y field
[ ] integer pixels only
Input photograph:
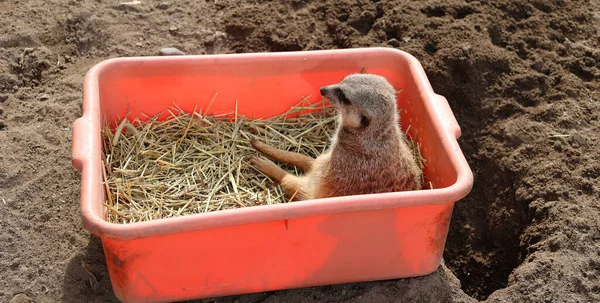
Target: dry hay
[{"x": 193, "y": 163}]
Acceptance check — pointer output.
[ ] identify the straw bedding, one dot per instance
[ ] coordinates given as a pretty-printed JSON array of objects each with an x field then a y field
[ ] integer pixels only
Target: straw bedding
[{"x": 193, "y": 163}]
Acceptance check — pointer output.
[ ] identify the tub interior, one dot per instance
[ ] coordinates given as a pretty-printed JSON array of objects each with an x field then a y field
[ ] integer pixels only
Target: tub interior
[{"x": 263, "y": 86}]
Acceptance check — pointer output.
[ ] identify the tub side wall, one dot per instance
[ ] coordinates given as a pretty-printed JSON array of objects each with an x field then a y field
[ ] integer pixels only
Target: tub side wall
[{"x": 320, "y": 250}]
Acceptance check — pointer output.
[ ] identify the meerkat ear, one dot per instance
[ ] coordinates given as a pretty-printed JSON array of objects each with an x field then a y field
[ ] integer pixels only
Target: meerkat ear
[{"x": 365, "y": 121}]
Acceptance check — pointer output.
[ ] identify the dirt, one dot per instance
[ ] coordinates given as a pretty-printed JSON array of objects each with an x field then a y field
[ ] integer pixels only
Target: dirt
[{"x": 522, "y": 77}]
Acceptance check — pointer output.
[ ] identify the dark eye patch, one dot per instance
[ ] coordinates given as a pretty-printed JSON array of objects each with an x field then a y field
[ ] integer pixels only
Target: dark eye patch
[{"x": 341, "y": 96}]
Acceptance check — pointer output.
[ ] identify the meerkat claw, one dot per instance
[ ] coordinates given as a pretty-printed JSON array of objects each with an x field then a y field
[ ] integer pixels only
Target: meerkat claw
[
  {"x": 255, "y": 161},
  {"x": 254, "y": 142}
]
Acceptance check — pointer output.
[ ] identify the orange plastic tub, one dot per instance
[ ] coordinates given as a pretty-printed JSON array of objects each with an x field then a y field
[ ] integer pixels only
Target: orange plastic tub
[{"x": 263, "y": 248}]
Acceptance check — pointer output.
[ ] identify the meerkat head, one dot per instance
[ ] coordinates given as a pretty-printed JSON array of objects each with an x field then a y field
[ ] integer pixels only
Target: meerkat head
[{"x": 365, "y": 102}]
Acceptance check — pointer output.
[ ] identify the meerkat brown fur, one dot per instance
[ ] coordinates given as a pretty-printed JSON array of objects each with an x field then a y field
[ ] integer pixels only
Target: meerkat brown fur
[{"x": 368, "y": 153}]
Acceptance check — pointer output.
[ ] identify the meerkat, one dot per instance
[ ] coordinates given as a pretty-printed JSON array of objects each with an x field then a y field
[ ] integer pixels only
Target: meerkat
[{"x": 367, "y": 154}]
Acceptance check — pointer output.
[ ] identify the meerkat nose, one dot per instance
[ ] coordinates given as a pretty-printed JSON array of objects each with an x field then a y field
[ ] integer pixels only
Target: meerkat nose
[{"x": 323, "y": 91}]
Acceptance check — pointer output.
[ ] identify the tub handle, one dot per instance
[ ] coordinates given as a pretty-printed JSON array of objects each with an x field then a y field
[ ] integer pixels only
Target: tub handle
[
  {"x": 447, "y": 117},
  {"x": 80, "y": 143}
]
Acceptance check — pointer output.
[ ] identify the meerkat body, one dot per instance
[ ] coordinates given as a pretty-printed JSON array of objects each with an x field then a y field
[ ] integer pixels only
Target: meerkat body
[{"x": 367, "y": 155}]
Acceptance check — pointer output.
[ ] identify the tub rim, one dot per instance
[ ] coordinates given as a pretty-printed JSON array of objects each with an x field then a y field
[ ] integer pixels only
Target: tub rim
[{"x": 86, "y": 146}]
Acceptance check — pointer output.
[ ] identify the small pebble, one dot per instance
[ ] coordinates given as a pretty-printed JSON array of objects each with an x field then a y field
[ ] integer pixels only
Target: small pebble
[
  {"x": 163, "y": 5},
  {"x": 43, "y": 97},
  {"x": 170, "y": 51},
  {"x": 538, "y": 65},
  {"x": 173, "y": 29},
  {"x": 131, "y": 3},
  {"x": 394, "y": 42},
  {"x": 20, "y": 298},
  {"x": 139, "y": 43},
  {"x": 210, "y": 40}
]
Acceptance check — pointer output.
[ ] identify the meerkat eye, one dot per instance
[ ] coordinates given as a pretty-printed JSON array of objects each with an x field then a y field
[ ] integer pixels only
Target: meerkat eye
[
  {"x": 342, "y": 96},
  {"x": 365, "y": 121}
]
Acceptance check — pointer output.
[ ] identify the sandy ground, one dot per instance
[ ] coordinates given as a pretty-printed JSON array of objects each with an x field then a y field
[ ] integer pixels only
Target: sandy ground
[{"x": 522, "y": 77}]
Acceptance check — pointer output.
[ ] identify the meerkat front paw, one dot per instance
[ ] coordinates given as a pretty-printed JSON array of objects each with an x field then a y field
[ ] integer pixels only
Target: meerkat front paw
[
  {"x": 267, "y": 167},
  {"x": 260, "y": 163}
]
